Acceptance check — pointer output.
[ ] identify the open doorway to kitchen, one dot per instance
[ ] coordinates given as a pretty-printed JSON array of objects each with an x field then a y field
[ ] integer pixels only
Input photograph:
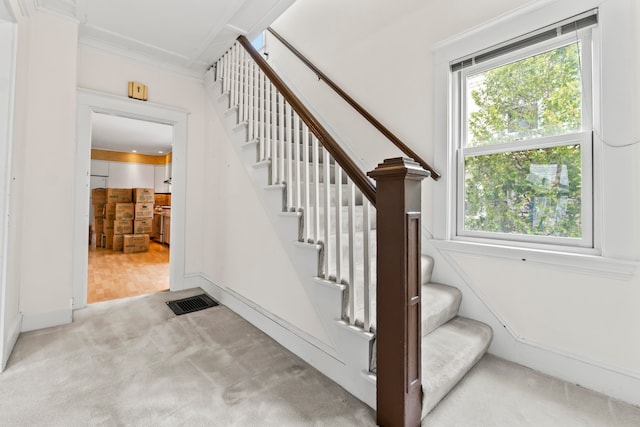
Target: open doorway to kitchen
[
  {"x": 130, "y": 207},
  {"x": 92, "y": 105}
]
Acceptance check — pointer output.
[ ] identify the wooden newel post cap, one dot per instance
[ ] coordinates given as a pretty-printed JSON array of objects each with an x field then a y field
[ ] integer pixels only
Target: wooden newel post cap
[{"x": 398, "y": 167}]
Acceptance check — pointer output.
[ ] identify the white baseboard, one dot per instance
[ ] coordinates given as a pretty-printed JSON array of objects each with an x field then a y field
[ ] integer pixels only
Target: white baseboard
[
  {"x": 32, "y": 322},
  {"x": 12, "y": 337},
  {"x": 311, "y": 350},
  {"x": 613, "y": 382}
]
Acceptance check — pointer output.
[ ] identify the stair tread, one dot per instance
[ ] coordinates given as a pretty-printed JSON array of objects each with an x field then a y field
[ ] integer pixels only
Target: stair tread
[
  {"x": 440, "y": 303},
  {"x": 448, "y": 353}
]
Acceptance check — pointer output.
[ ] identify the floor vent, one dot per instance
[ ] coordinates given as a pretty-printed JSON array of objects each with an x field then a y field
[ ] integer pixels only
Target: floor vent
[{"x": 191, "y": 304}]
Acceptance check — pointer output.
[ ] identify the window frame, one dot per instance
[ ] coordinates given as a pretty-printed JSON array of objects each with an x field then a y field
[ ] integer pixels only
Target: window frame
[
  {"x": 616, "y": 253},
  {"x": 583, "y": 137}
]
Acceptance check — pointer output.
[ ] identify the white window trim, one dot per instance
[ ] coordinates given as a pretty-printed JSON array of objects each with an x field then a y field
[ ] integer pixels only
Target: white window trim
[{"x": 613, "y": 122}]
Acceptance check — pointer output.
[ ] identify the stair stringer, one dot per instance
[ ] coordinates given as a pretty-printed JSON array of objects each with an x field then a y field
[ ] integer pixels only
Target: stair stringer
[{"x": 349, "y": 364}]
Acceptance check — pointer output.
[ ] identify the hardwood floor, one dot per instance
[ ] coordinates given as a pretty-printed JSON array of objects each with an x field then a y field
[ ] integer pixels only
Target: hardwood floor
[{"x": 114, "y": 274}]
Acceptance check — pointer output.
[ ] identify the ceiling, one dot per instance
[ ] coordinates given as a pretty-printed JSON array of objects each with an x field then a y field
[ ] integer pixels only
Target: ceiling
[
  {"x": 124, "y": 134},
  {"x": 184, "y": 36}
]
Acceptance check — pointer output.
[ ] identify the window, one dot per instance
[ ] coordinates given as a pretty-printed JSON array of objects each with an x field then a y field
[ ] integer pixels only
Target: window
[{"x": 522, "y": 129}]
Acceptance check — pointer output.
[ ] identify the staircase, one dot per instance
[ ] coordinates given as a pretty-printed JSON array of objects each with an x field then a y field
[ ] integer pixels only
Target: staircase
[{"x": 327, "y": 220}]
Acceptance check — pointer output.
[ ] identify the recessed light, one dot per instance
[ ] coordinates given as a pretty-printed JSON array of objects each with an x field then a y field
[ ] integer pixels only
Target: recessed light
[
  {"x": 159, "y": 152},
  {"x": 134, "y": 151}
]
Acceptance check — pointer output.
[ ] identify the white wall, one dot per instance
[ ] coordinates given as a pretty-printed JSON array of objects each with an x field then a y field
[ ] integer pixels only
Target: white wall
[
  {"x": 243, "y": 252},
  {"x": 381, "y": 54},
  {"x": 43, "y": 159}
]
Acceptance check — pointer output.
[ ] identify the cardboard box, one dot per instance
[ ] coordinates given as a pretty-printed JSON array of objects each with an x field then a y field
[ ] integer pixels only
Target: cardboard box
[
  {"x": 119, "y": 195},
  {"x": 123, "y": 226},
  {"x": 144, "y": 210},
  {"x": 107, "y": 240},
  {"x": 98, "y": 210},
  {"x": 124, "y": 211},
  {"x": 135, "y": 243},
  {"x": 143, "y": 226},
  {"x": 118, "y": 242},
  {"x": 109, "y": 212},
  {"x": 99, "y": 196},
  {"x": 143, "y": 195},
  {"x": 97, "y": 225},
  {"x": 108, "y": 226}
]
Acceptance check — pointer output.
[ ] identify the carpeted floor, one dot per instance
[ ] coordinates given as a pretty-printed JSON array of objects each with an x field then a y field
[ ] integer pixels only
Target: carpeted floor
[{"x": 134, "y": 363}]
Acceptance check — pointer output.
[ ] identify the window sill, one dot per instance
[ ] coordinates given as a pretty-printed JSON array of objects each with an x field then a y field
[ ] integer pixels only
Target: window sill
[{"x": 581, "y": 263}]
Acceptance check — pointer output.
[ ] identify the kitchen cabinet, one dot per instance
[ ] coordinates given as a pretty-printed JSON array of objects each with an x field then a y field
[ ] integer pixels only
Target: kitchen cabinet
[
  {"x": 167, "y": 229},
  {"x": 156, "y": 227},
  {"x": 161, "y": 226},
  {"x": 99, "y": 168},
  {"x": 130, "y": 175},
  {"x": 161, "y": 174}
]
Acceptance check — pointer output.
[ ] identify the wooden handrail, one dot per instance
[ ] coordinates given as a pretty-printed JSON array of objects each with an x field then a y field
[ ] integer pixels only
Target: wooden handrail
[
  {"x": 340, "y": 156},
  {"x": 374, "y": 122}
]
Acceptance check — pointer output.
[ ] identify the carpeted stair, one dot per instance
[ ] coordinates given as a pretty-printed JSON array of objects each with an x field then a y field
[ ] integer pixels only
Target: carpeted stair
[{"x": 451, "y": 345}]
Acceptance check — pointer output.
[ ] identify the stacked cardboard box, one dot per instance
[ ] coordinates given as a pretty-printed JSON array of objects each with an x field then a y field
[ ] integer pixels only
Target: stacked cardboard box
[
  {"x": 117, "y": 217},
  {"x": 128, "y": 212},
  {"x": 98, "y": 199},
  {"x": 135, "y": 243},
  {"x": 143, "y": 218}
]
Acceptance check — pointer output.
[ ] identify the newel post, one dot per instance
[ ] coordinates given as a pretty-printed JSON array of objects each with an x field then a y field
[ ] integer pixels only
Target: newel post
[{"x": 398, "y": 204}]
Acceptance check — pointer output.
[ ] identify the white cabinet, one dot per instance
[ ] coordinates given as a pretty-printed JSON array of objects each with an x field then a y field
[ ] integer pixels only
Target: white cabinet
[
  {"x": 99, "y": 168},
  {"x": 161, "y": 174},
  {"x": 130, "y": 175}
]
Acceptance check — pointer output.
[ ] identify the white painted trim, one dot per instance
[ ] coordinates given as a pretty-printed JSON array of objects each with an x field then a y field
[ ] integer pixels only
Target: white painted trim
[
  {"x": 312, "y": 351},
  {"x": 613, "y": 210},
  {"x": 581, "y": 263},
  {"x": 614, "y": 382},
  {"x": 6, "y": 148},
  {"x": 10, "y": 342},
  {"x": 49, "y": 319},
  {"x": 97, "y": 102}
]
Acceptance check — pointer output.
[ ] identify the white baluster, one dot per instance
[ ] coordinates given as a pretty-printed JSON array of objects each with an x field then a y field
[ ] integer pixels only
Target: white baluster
[
  {"x": 366, "y": 206},
  {"x": 274, "y": 136},
  {"x": 338, "y": 203},
  {"x": 296, "y": 158},
  {"x": 266, "y": 115},
  {"x": 236, "y": 76},
  {"x": 352, "y": 253},
  {"x": 261, "y": 114},
  {"x": 281, "y": 133},
  {"x": 250, "y": 95},
  {"x": 227, "y": 72},
  {"x": 307, "y": 186},
  {"x": 244, "y": 102},
  {"x": 316, "y": 184},
  {"x": 289, "y": 144},
  {"x": 232, "y": 76},
  {"x": 240, "y": 102},
  {"x": 327, "y": 211}
]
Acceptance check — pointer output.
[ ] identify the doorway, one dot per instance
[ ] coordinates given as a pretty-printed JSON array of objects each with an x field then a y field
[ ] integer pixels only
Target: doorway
[
  {"x": 129, "y": 241},
  {"x": 89, "y": 104}
]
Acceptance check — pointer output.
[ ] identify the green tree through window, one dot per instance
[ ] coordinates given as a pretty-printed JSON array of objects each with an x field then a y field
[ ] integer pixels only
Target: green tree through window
[{"x": 525, "y": 191}]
